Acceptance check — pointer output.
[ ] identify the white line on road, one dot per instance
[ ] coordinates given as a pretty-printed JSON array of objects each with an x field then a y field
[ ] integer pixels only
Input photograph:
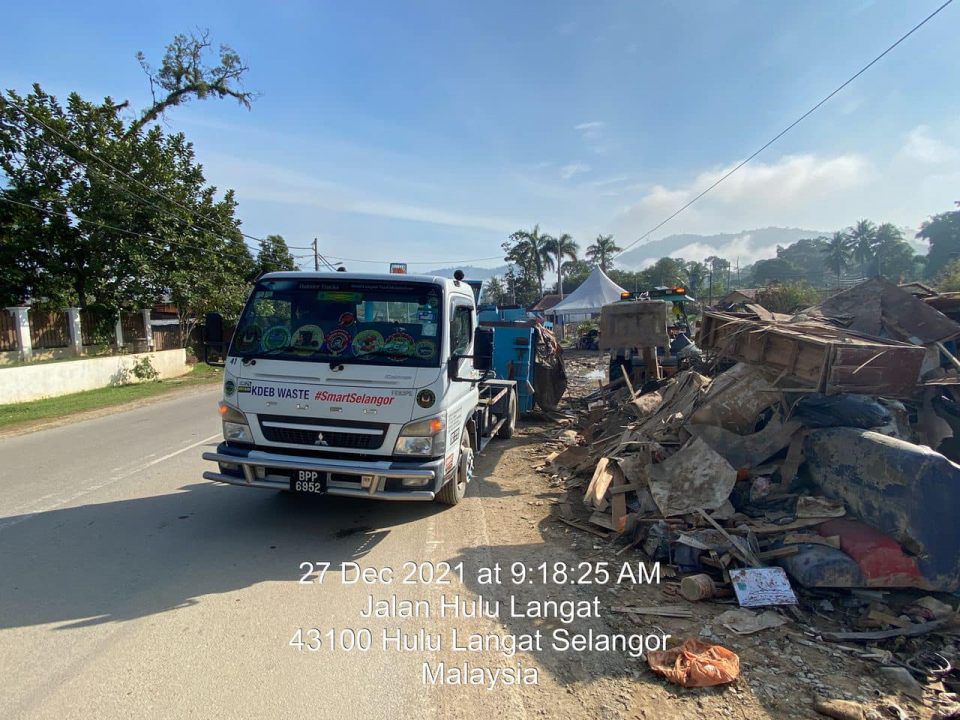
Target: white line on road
[{"x": 10, "y": 522}]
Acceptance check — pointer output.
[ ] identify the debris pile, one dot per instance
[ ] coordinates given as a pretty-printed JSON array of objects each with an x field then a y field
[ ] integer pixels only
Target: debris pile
[{"x": 797, "y": 470}]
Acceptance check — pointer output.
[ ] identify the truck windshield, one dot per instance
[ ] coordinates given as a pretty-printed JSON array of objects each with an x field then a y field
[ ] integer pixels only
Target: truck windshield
[{"x": 358, "y": 321}]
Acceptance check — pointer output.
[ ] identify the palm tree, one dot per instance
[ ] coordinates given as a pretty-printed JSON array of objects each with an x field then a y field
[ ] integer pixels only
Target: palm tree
[
  {"x": 863, "y": 238},
  {"x": 532, "y": 252},
  {"x": 602, "y": 251},
  {"x": 837, "y": 253},
  {"x": 888, "y": 236},
  {"x": 563, "y": 247}
]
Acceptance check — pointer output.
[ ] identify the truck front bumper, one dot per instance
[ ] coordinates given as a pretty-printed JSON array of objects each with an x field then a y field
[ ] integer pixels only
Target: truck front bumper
[{"x": 381, "y": 479}]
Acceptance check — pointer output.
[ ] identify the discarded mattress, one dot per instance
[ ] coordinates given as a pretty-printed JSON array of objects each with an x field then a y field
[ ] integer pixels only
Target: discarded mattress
[{"x": 906, "y": 491}]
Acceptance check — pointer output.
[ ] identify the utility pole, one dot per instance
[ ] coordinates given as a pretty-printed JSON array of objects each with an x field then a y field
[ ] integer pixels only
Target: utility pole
[{"x": 316, "y": 257}]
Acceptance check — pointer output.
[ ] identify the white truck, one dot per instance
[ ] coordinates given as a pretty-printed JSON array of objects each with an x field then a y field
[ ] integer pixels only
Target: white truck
[{"x": 375, "y": 386}]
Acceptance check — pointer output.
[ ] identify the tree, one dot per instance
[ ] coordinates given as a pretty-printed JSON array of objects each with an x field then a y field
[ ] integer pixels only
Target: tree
[
  {"x": 184, "y": 73},
  {"x": 574, "y": 274},
  {"x": 494, "y": 292},
  {"x": 788, "y": 297},
  {"x": 943, "y": 233},
  {"x": 863, "y": 239},
  {"x": 774, "y": 270},
  {"x": 274, "y": 255},
  {"x": 667, "y": 271},
  {"x": 696, "y": 276},
  {"x": 530, "y": 251},
  {"x": 948, "y": 279},
  {"x": 563, "y": 247},
  {"x": 601, "y": 252},
  {"x": 837, "y": 253}
]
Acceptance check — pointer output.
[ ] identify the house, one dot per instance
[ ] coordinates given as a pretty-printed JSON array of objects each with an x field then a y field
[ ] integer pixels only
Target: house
[
  {"x": 741, "y": 295},
  {"x": 546, "y": 302}
]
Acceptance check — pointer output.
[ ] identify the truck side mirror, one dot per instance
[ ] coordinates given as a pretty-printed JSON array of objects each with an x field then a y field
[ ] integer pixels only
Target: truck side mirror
[
  {"x": 483, "y": 349},
  {"x": 213, "y": 329},
  {"x": 213, "y": 338}
]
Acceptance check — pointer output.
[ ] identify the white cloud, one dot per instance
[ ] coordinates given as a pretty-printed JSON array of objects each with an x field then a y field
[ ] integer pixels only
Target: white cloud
[
  {"x": 796, "y": 190},
  {"x": 591, "y": 131},
  {"x": 568, "y": 171},
  {"x": 271, "y": 183},
  {"x": 923, "y": 147}
]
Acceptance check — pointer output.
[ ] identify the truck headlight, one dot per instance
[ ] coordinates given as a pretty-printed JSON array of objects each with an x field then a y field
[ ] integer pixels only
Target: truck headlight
[
  {"x": 235, "y": 427},
  {"x": 427, "y": 437}
]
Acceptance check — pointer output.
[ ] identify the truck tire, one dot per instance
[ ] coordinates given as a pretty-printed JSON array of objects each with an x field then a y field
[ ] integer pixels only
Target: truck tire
[
  {"x": 506, "y": 430},
  {"x": 455, "y": 488}
]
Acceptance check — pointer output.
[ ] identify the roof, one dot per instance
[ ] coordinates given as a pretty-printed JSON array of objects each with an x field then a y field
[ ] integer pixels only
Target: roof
[
  {"x": 749, "y": 293},
  {"x": 547, "y": 302},
  {"x": 918, "y": 289},
  {"x": 595, "y": 292},
  {"x": 878, "y": 307}
]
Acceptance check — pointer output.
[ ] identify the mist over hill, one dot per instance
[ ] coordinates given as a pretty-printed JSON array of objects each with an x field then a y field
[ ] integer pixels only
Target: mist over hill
[
  {"x": 748, "y": 246},
  {"x": 470, "y": 271}
]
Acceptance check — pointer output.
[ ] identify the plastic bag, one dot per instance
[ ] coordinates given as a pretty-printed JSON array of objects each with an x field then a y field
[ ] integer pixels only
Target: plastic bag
[
  {"x": 848, "y": 410},
  {"x": 695, "y": 664}
]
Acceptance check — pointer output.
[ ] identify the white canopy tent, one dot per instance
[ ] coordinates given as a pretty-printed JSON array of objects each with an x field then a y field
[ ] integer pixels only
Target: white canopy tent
[{"x": 584, "y": 302}]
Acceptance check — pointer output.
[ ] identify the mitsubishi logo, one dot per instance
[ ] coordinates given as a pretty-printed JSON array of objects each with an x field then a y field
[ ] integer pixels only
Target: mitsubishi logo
[{"x": 320, "y": 440}]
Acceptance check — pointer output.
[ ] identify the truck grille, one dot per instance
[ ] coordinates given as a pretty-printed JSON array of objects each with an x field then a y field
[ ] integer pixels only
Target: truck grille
[{"x": 331, "y": 438}]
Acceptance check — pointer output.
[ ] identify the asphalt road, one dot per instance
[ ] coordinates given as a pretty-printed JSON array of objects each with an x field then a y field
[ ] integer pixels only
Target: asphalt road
[{"x": 130, "y": 587}]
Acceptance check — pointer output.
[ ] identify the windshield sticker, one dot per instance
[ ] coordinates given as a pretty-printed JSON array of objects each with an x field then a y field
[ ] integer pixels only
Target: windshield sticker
[
  {"x": 427, "y": 315},
  {"x": 249, "y": 339},
  {"x": 308, "y": 339},
  {"x": 426, "y": 349},
  {"x": 428, "y": 330},
  {"x": 339, "y": 296},
  {"x": 367, "y": 341},
  {"x": 338, "y": 341},
  {"x": 348, "y": 318},
  {"x": 357, "y": 398},
  {"x": 276, "y": 338},
  {"x": 400, "y": 345}
]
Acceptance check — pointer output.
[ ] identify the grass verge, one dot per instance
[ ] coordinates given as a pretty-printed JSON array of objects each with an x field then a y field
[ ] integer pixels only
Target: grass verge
[{"x": 27, "y": 413}]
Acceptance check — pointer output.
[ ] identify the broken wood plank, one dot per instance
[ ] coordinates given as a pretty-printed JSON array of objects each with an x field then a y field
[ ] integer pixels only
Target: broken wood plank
[
  {"x": 603, "y": 520},
  {"x": 743, "y": 553},
  {"x": 912, "y": 631},
  {"x": 674, "y": 611},
  {"x": 778, "y": 553},
  {"x": 583, "y": 526}
]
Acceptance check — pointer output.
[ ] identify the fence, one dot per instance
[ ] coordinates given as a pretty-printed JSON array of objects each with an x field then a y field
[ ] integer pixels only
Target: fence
[
  {"x": 166, "y": 337},
  {"x": 96, "y": 326},
  {"x": 8, "y": 332},
  {"x": 133, "y": 329},
  {"x": 49, "y": 329}
]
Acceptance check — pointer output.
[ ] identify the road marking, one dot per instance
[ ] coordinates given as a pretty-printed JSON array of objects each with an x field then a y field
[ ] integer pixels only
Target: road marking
[{"x": 10, "y": 522}]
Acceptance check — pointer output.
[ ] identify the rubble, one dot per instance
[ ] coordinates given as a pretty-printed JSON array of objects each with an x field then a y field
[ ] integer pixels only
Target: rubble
[{"x": 797, "y": 463}]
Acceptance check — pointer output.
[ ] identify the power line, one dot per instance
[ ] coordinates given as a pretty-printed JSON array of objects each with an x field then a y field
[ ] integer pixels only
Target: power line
[
  {"x": 788, "y": 128},
  {"x": 113, "y": 167},
  {"x": 425, "y": 262},
  {"x": 105, "y": 226}
]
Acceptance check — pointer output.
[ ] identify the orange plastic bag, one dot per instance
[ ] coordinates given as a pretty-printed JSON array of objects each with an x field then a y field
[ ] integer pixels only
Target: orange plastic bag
[{"x": 695, "y": 664}]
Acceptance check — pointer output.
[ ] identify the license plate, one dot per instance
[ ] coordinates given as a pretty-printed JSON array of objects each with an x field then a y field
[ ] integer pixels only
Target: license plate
[{"x": 308, "y": 481}]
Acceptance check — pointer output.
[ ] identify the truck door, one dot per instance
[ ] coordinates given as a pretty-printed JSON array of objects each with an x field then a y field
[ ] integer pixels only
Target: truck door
[{"x": 463, "y": 395}]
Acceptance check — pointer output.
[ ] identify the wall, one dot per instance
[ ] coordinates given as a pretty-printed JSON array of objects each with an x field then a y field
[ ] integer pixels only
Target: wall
[{"x": 32, "y": 382}]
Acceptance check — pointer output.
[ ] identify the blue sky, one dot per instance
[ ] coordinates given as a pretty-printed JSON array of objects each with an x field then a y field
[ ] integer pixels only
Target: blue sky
[{"x": 425, "y": 132}]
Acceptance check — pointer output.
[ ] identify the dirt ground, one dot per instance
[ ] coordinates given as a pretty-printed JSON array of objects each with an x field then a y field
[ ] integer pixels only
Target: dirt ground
[{"x": 782, "y": 670}]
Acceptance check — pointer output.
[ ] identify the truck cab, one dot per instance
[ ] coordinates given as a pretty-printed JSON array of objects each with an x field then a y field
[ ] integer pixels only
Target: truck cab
[{"x": 362, "y": 385}]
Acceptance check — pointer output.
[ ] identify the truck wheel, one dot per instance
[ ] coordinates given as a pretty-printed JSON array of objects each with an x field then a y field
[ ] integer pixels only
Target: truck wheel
[
  {"x": 453, "y": 492},
  {"x": 506, "y": 430}
]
